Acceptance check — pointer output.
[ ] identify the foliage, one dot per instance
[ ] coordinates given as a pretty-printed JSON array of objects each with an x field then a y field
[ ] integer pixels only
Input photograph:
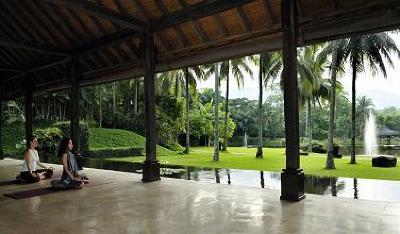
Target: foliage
[
  {"x": 84, "y": 134},
  {"x": 48, "y": 138},
  {"x": 170, "y": 120}
]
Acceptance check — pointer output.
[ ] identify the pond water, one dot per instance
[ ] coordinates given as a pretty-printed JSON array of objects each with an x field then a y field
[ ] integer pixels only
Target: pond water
[{"x": 367, "y": 189}]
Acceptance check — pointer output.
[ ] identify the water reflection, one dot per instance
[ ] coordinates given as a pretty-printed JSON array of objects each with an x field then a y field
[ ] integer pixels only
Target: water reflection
[{"x": 379, "y": 190}]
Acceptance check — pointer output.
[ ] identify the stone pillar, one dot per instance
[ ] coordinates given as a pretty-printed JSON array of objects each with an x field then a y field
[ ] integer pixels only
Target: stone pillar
[
  {"x": 28, "y": 101},
  {"x": 292, "y": 178},
  {"x": 151, "y": 167},
  {"x": 75, "y": 74}
]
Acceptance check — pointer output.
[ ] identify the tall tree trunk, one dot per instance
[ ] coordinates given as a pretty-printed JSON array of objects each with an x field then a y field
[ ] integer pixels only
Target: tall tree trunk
[
  {"x": 310, "y": 131},
  {"x": 245, "y": 139},
  {"x": 309, "y": 146},
  {"x": 135, "y": 108},
  {"x": 330, "y": 163},
  {"x": 48, "y": 107},
  {"x": 216, "y": 117},
  {"x": 353, "y": 116},
  {"x": 187, "y": 111},
  {"x": 225, "y": 143},
  {"x": 176, "y": 91},
  {"x": 100, "y": 114},
  {"x": 114, "y": 105},
  {"x": 259, "y": 153}
]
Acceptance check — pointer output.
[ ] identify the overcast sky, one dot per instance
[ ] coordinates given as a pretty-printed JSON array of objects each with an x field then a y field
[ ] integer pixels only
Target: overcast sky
[{"x": 383, "y": 92}]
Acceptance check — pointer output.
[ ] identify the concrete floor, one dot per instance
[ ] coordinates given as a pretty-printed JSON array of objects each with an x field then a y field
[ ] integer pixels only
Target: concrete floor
[{"x": 126, "y": 205}]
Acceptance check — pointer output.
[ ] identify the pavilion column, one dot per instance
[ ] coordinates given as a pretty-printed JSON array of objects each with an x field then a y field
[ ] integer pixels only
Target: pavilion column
[
  {"x": 74, "y": 73},
  {"x": 1, "y": 123},
  {"x": 28, "y": 101},
  {"x": 292, "y": 178},
  {"x": 151, "y": 167}
]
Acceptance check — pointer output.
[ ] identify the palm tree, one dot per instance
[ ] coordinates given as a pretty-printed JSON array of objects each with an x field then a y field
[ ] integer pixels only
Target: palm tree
[
  {"x": 216, "y": 117},
  {"x": 374, "y": 48},
  {"x": 336, "y": 50},
  {"x": 312, "y": 86},
  {"x": 270, "y": 66},
  {"x": 238, "y": 67},
  {"x": 364, "y": 108}
]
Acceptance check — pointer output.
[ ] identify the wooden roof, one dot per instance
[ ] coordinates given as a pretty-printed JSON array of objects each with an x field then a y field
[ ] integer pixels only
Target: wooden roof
[{"x": 37, "y": 37}]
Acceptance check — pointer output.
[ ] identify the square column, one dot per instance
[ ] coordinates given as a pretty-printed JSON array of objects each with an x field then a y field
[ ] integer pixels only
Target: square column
[
  {"x": 74, "y": 75},
  {"x": 151, "y": 167},
  {"x": 292, "y": 177},
  {"x": 28, "y": 101}
]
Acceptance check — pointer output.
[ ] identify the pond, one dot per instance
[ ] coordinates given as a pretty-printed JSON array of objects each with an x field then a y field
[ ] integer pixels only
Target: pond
[{"x": 367, "y": 189}]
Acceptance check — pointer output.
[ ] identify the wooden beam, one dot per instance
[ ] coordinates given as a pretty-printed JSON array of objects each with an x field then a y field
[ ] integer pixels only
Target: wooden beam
[
  {"x": 26, "y": 45},
  {"x": 220, "y": 24},
  {"x": 94, "y": 9},
  {"x": 9, "y": 69},
  {"x": 181, "y": 36},
  {"x": 271, "y": 12},
  {"x": 192, "y": 12},
  {"x": 44, "y": 21},
  {"x": 53, "y": 19},
  {"x": 200, "y": 31},
  {"x": 25, "y": 13},
  {"x": 195, "y": 11},
  {"x": 11, "y": 13},
  {"x": 244, "y": 18},
  {"x": 292, "y": 178}
]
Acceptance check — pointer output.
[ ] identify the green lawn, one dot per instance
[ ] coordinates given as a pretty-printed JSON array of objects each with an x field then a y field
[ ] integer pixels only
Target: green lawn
[{"x": 274, "y": 160}]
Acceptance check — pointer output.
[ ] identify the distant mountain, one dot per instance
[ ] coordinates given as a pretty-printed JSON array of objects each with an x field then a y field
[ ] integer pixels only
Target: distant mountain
[{"x": 381, "y": 98}]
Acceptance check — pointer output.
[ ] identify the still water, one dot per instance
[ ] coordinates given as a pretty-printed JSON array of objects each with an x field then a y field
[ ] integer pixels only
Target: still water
[{"x": 367, "y": 189}]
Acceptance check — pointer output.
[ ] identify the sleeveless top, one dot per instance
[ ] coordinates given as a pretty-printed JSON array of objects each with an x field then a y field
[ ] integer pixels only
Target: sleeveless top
[
  {"x": 72, "y": 167},
  {"x": 34, "y": 159}
]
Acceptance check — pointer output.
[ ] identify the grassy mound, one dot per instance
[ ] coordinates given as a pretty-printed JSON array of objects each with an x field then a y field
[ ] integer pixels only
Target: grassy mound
[{"x": 100, "y": 138}]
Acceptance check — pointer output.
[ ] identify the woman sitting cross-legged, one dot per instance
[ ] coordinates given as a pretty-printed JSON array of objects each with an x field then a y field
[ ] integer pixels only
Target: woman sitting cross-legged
[
  {"x": 29, "y": 172},
  {"x": 70, "y": 177}
]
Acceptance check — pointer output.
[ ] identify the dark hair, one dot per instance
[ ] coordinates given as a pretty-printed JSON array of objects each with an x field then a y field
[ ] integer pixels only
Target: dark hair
[
  {"x": 63, "y": 147},
  {"x": 31, "y": 138}
]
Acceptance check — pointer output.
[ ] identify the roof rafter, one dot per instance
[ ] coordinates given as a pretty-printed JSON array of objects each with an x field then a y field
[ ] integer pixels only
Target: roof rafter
[
  {"x": 9, "y": 42},
  {"x": 94, "y": 9}
]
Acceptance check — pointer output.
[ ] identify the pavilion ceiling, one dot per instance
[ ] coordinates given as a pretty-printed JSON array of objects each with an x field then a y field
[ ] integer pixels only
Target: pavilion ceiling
[{"x": 37, "y": 37}]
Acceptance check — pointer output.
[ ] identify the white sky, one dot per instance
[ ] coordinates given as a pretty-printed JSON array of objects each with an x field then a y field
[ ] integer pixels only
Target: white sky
[{"x": 383, "y": 92}]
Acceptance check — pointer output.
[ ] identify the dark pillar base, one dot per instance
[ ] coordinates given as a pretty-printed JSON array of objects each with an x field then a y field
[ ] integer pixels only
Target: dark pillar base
[
  {"x": 292, "y": 185},
  {"x": 151, "y": 171}
]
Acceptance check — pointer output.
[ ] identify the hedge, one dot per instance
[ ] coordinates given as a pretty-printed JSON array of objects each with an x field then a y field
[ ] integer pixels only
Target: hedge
[{"x": 116, "y": 152}]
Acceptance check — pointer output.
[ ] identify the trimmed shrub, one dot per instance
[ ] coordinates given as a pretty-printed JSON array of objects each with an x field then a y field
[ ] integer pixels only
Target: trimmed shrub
[
  {"x": 237, "y": 141},
  {"x": 115, "y": 152},
  {"x": 84, "y": 138}
]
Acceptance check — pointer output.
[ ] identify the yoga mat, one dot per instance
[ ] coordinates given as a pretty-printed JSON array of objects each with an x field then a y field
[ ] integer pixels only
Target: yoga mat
[
  {"x": 56, "y": 174},
  {"x": 47, "y": 190}
]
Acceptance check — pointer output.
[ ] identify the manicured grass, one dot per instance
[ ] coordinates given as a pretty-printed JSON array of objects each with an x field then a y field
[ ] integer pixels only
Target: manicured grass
[
  {"x": 106, "y": 138},
  {"x": 274, "y": 160}
]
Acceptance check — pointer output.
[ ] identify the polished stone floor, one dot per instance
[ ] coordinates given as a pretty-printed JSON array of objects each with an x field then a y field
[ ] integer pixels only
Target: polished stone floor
[{"x": 126, "y": 205}]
